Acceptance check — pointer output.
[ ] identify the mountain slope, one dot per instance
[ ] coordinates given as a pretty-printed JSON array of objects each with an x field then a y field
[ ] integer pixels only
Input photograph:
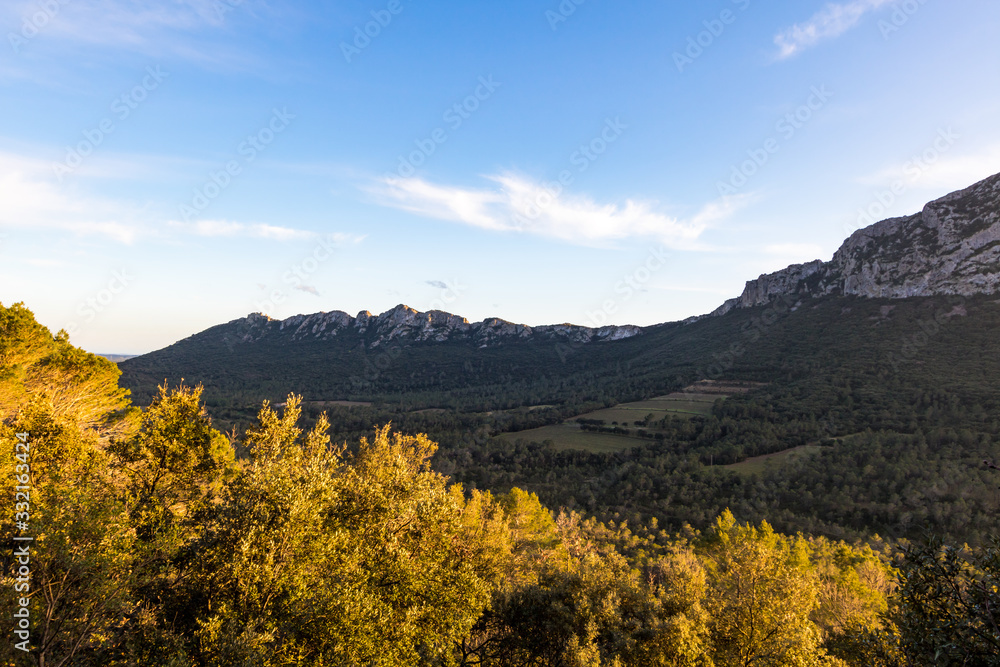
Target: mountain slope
[
  {"x": 404, "y": 325},
  {"x": 333, "y": 355},
  {"x": 881, "y": 367},
  {"x": 951, "y": 247}
]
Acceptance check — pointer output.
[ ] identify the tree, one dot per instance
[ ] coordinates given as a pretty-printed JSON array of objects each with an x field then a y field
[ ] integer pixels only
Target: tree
[
  {"x": 81, "y": 557},
  {"x": 80, "y": 387},
  {"x": 585, "y": 605},
  {"x": 678, "y": 635},
  {"x": 169, "y": 472},
  {"x": 948, "y": 606},
  {"x": 854, "y": 588},
  {"x": 68, "y": 404},
  {"x": 761, "y": 593},
  {"x": 321, "y": 555},
  {"x": 175, "y": 461}
]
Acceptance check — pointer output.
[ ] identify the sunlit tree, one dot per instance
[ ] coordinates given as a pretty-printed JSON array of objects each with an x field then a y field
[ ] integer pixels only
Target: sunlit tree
[{"x": 762, "y": 591}]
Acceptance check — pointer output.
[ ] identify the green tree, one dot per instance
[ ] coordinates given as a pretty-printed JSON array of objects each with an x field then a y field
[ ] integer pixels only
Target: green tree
[
  {"x": 69, "y": 404},
  {"x": 174, "y": 462},
  {"x": 318, "y": 555},
  {"x": 586, "y": 606},
  {"x": 677, "y": 634},
  {"x": 762, "y": 591},
  {"x": 169, "y": 472},
  {"x": 80, "y": 387},
  {"x": 81, "y": 557},
  {"x": 854, "y": 589},
  {"x": 948, "y": 606}
]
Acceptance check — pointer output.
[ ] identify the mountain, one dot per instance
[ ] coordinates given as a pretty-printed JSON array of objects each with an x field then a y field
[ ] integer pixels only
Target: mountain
[
  {"x": 952, "y": 246},
  {"x": 862, "y": 394},
  {"x": 403, "y": 325},
  {"x": 878, "y": 291},
  {"x": 334, "y": 356}
]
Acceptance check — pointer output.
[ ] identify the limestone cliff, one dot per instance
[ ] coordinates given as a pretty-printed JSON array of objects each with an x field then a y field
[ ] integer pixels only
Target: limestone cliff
[
  {"x": 951, "y": 247},
  {"x": 404, "y": 324}
]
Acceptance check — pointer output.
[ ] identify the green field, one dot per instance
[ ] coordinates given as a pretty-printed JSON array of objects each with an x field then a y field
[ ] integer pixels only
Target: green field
[
  {"x": 679, "y": 404},
  {"x": 760, "y": 464},
  {"x": 570, "y": 436}
]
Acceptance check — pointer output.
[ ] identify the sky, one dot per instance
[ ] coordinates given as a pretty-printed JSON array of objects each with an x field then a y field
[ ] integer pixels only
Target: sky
[{"x": 169, "y": 165}]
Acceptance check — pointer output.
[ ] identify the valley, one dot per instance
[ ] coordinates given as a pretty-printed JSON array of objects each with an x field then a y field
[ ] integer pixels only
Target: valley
[
  {"x": 843, "y": 398},
  {"x": 831, "y": 368},
  {"x": 857, "y": 422},
  {"x": 500, "y": 334},
  {"x": 628, "y": 424}
]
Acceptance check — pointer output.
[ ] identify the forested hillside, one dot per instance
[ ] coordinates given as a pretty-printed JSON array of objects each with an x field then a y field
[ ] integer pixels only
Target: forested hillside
[
  {"x": 895, "y": 401},
  {"x": 158, "y": 540},
  {"x": 615, "y": 487}
]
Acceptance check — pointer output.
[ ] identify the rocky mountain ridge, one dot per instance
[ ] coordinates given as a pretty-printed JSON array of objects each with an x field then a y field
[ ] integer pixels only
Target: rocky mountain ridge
[
  {"x": 405, "y": 325},
  {"x": 952, "y": 246}
]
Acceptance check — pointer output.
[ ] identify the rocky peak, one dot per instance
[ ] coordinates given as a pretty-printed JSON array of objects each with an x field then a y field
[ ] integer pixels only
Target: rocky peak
[
  {"x": 439, "y": 318},
  {"x": 403, "y": 325},
  {"x": 362, "y": 320},
  {"x": 399, "y": 315},
  {"x": 258, "y": 318},
  {"x": 951, "y": 247}
]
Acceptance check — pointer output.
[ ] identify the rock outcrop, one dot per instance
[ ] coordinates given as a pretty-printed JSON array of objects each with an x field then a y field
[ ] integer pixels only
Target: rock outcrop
[
  {"x": 405, "y": 325},
  {"x": 951, "y": 247}
]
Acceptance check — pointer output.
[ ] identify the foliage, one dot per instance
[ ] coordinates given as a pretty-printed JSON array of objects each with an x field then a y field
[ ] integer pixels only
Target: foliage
[
  {"x": 80, "y": 387},
  {"x": 82, "y": 554},
  {"x": 763, "y": 595},
  {"x": 948, "y": 608},
  {"x": 155, "y": 544},
  {"x": 323, "y": 556}
]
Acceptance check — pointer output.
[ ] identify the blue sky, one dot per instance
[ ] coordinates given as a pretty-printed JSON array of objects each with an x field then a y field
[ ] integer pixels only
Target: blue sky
[{"x": 167, "y": 165}]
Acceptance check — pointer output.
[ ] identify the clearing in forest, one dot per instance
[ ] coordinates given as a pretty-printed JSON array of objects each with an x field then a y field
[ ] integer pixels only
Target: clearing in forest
[{"x": 695, "y": 400}]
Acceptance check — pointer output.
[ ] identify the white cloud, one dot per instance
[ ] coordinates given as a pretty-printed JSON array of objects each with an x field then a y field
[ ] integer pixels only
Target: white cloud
[
  {"x": 31, "y": 199},
  {"x": 152, "y": 27},
  {"x": 831, "y": 21},
  {"x": 443, "y": 202},
  {"x": 722, "y": 209},
  {"x": 520, "y": 204},
  {"x": 227, "y": 228}
]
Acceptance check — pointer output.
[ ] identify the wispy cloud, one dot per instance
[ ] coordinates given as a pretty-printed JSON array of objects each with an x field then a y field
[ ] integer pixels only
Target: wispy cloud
[
  {"x": 832, "y": 21},
  {"x": 32, "y": 199},
  {"x": 123, "y": 21},
  {"x": 227, "y": 228},
  {"x": 520, "y": 204},
  {"x": 152, "y": 27}
]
